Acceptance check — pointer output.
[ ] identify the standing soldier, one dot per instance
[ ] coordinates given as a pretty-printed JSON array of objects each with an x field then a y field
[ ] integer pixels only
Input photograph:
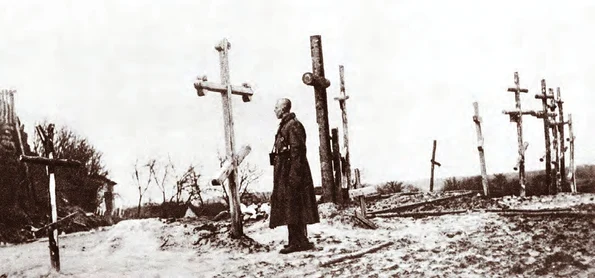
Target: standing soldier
[{"x": 293, "y": 202}]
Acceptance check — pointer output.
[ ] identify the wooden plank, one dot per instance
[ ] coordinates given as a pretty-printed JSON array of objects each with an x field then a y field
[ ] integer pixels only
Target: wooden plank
[
  {"x": 417, "y": 204},
  {"x": 367, "y": 222},
  {"x": 418, "y": 214},
  {"x": 50, "y": 162},
  {"x": 480, "y": 149},
  {"x": 227, "y": 166},
  {"x": 355, "y": 254},
  {"x": 364, "y": 191}
]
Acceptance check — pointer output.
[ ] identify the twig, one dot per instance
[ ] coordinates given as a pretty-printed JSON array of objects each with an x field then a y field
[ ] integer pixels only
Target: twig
[
  {"x": 356, "y": 254},
  {"x": 548, "y": 213},
  {"x": 413, "y": 205},
  {"x": 419, "y": 214}
]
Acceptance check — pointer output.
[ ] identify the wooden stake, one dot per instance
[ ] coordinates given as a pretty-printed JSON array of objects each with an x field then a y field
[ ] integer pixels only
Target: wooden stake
[
  {"x": 356, "y": 254},
  {"x": 338, "y": 192},
  {"x": 433, "y": 163},
  {"x": 480, "y": 149},
  {"x": 518, "y": 118},
  {"x": 343, "y": 105},
  {"x": 245, "y": 91},
  {"x": 571, "y": 142},
  {"x": 548, "y": 154},
  {"x": 320, "y": 83},
  {"x": 562, "y": 164}
]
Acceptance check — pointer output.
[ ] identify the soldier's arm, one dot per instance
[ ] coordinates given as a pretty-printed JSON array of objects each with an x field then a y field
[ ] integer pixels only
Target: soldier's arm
[{"x": 297, "y": 140}]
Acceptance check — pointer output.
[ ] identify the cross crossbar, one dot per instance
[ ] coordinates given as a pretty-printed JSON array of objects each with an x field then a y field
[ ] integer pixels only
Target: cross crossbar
[
  {"x": 50, "y": 162},
  {"x": 202, "y": 84}
]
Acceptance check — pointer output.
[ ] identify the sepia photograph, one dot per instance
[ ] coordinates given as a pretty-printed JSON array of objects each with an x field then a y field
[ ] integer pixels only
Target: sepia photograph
[{"x": 225, "y": 138}]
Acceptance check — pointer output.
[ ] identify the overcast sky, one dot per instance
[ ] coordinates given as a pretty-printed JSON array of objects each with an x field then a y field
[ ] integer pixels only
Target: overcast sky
[{"x": 121, "y": 73}]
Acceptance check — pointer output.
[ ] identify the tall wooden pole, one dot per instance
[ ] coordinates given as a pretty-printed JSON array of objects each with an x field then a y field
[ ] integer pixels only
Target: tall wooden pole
[
  {"x": 320, "y": 83},
  {"x": 518, "y": 118},
  {"x": 480, "y": 148},
  {"x": 338, "y": 192},
  {"x": 433, "y": 162},
  {"x": 343, "y": 105},
  {"x": 571, "y": 142},
  {"x": 546, "y": 130},
  {"x": 562, "y": 163},
  {"x": 554, "y": 128}
]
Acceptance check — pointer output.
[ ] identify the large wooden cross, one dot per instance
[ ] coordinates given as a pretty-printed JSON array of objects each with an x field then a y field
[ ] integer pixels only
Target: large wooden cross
[
  {"x": 544, "y": 96},
  {"x": 433, "y": 163},
  {"x": 47, "y": 139},
  {"x": 343, "y": 105},
  {"x": 555, "y": 145},
  {"x": 560, "y": 124},
  {"x": 317, "y": 80},
  {"x": 517, "y": 116},
  {"x": 480, "y": 148},
  {"x": 226, "y": 90}
]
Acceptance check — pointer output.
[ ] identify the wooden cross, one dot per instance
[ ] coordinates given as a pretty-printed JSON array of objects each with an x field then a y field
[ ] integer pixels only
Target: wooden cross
[
  {"x": 226, "y": 90},
  {"x": 317, "y": 80},
  {"x": 482, "y": 161},
  {"x": 555, "y": 145},
  {"x": 548, "y": 154},
  {"x": 47, "y": 139},
  {"x": 433, "y": 162},
  {"x": 517, "y": 116},
  {"x": 560, "y": 126},
  {"x": 360, "y": 194},
  {"x": 571, "y": 138},
  {"x": 343, "y": 105}
]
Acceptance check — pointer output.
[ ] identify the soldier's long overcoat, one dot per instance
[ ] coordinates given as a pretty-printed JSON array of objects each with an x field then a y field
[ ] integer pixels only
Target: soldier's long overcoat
[{"x": 293, "y": 200}]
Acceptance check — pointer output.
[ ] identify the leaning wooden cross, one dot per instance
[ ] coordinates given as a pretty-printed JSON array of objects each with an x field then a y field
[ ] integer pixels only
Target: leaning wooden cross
[
  {"x": 482, "y": 160},
  {"x": 47, "y": 139},
  {"x": 229, "y": 168},
  {"x": 360, "y": 194}
]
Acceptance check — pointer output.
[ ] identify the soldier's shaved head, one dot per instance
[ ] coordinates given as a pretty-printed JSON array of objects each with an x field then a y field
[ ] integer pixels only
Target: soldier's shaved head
[{"x": 282, "y": 107}]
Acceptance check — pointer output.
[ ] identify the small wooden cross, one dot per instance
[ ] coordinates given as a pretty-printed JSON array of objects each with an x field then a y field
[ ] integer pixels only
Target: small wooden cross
[
  {"x": 482, "y": 161},
  {"x": 226, "y": 90},
  {"x": 360, "y": 193},
  {"x": 433, "y": 163},
  {"x": 47, "y": 139}
]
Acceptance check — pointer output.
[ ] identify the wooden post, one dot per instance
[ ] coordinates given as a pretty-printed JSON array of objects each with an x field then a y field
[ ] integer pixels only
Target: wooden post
[
  {"x": 518, "y": 118},
  {"x": 433, "y": 162},
  {"x": 562, "y": 162},
  {"x": 546, "y": 132},
  {"x": 338, "y": 192},
  {"x": 572, "y": 166},
  {"x": 320, "y": 83},
  {"x": 480, "y": 149},
  {"x": 226, "y": 90},
  {"x": 555, "y": 146},
  {"x": 50, "y": 162},
  {"x": 343, "y": 105}
]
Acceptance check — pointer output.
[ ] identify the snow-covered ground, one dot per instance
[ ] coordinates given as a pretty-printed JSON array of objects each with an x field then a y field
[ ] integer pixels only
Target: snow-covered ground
[{"x": 474, "y": 244}]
